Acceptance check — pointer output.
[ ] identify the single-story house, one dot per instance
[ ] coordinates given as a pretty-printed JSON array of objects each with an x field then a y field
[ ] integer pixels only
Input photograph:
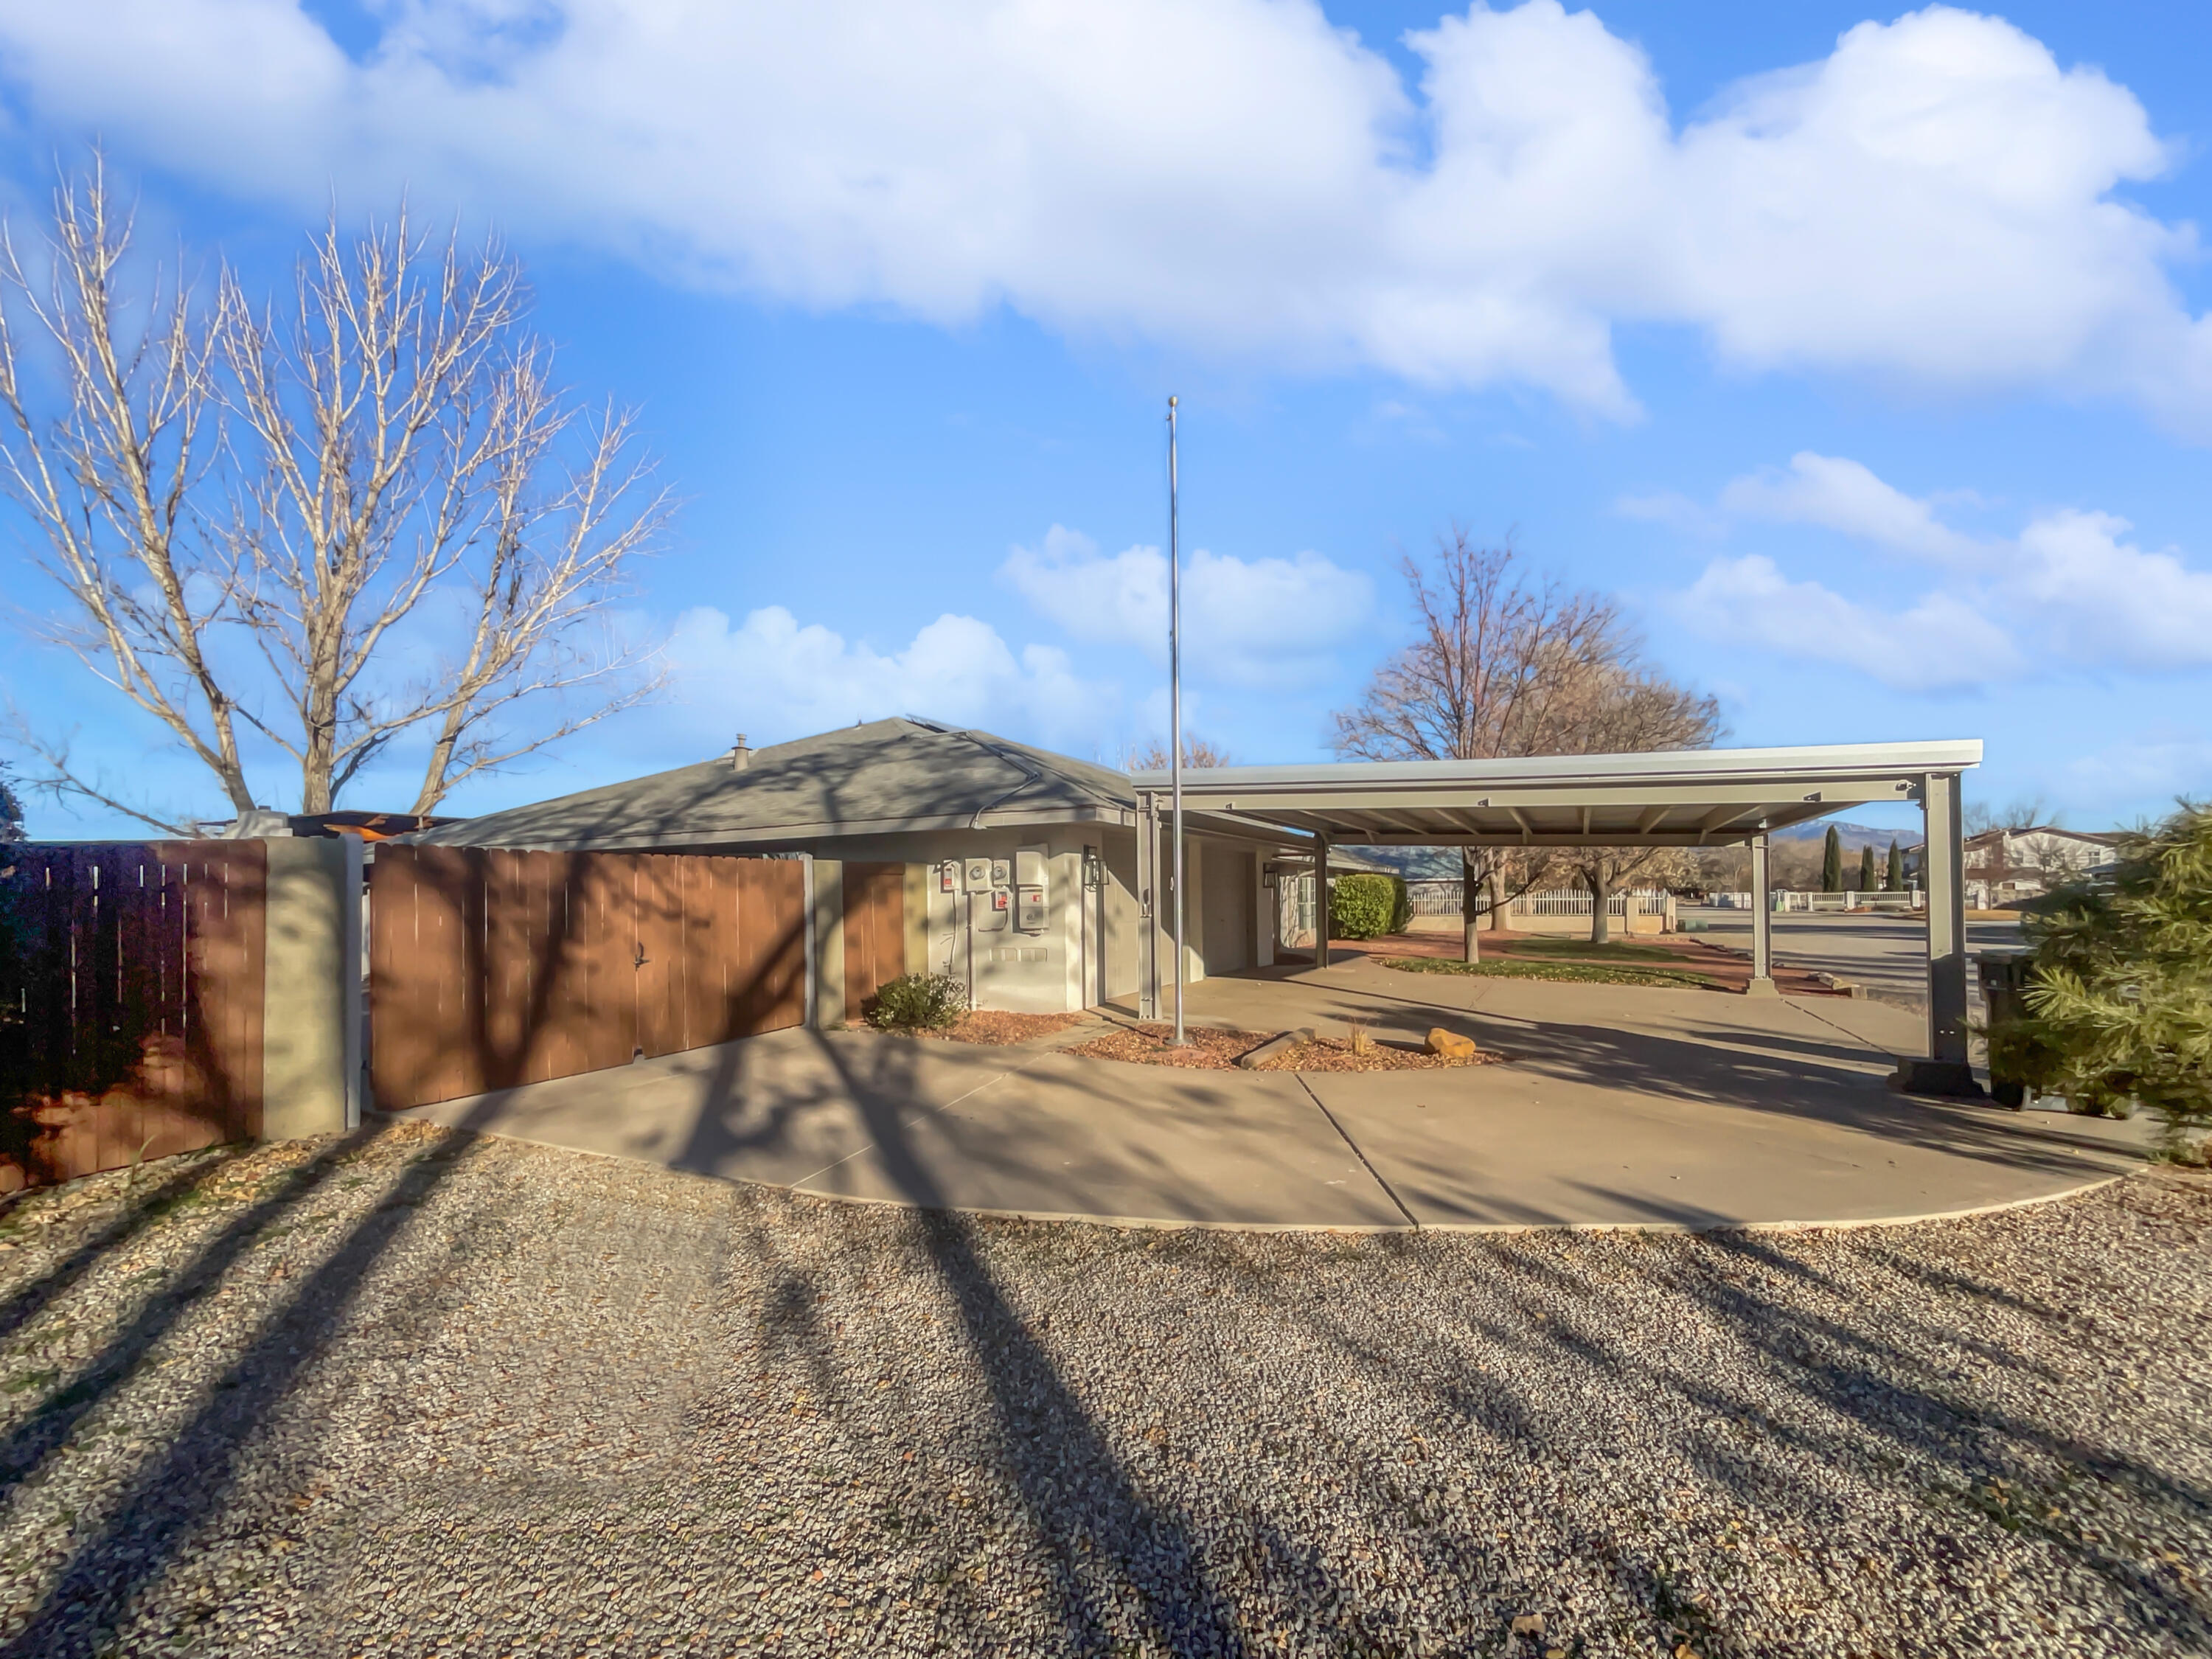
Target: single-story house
[{"x": 1019, "y": 866}]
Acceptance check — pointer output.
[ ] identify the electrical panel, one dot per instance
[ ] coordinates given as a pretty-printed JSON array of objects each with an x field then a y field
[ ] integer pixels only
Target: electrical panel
[
  {"x": 978, "y": 873},
  {"x": 1029, "y": 867},
  {"x": 1029, "y": 910},
  {"x": 948, "y": 875}
]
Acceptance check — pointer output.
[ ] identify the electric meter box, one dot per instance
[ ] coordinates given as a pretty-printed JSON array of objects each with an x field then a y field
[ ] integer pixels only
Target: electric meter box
[
  {"x": 1029, "y": 910},
  {"x": 1029, "y": 867},
  {"x": 1002, "y": 874},
  {"x": 978, "y": 871}
]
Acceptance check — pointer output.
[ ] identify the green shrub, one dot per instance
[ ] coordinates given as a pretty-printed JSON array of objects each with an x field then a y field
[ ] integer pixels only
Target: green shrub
[
  {"x": 2119, "y": 997},
  {"x": 919, "y": 1002},
  {"x": 1367, "y": 907}
]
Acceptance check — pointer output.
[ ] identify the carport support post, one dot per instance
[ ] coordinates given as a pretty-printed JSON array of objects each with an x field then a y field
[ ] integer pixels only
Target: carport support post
[
  {"x": 1946, "y": 1070},
  {"x": 1762, "y": 919},
  {"x": 1320, "y": 901}
]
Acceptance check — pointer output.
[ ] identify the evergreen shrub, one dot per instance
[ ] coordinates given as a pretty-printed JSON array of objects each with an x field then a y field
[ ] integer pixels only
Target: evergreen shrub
[
  {"x": 919, "y": 1002},
  {"x": 1368, "y": 906},
  {"x": 2119, "y": 996}
]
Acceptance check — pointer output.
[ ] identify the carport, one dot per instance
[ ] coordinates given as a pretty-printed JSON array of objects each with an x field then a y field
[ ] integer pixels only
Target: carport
[{"x": 1695, "y": 797}]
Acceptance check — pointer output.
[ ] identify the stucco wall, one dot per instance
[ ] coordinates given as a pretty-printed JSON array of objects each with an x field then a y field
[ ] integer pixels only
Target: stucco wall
[
  {"x": 1088, "y": 936},
  {"x": 312, "y": 1010}
]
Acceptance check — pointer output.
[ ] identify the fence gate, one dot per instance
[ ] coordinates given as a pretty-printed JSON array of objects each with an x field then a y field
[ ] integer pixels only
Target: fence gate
[
  {"x": 875, "y": 931},
  {"x": 131, "y": 1003},
  {"x": 489, "y": 968}
]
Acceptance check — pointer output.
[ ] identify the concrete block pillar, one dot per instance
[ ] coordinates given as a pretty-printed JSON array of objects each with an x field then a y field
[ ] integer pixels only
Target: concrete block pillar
[
  {"x": 1946, "y": 1070},
  {"x": 1762, "y": 918},
  {"x": 311, "y": 1043}
]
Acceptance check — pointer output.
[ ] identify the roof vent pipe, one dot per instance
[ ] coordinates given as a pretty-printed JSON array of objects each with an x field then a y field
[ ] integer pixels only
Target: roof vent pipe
[{"x": 741, "y": 756}]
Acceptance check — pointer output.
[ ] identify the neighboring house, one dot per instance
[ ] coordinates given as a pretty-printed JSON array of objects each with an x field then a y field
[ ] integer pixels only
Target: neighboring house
[
  {"x": 2005, "y": 866},
  {"x": 1020, "y": 865}
]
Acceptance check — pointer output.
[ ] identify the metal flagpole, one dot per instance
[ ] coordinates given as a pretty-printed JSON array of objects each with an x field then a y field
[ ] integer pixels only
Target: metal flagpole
[{"x": 1175, "y": 707}]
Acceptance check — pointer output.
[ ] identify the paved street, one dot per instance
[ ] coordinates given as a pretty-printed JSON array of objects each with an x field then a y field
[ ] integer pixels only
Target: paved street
[{"x": 1885, "y": 953}]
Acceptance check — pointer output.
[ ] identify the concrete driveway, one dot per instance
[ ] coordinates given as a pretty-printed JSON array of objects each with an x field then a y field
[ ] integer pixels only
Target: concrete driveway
[{"x": 1619, "y": 1105}]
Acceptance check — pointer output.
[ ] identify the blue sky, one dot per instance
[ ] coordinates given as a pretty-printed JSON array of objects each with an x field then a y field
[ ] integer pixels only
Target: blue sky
[{"x": 1860, "y": 354}]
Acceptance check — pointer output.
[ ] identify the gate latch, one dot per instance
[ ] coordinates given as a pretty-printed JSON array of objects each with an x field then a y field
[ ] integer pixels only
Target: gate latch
[{"x": 641, "y": 958}]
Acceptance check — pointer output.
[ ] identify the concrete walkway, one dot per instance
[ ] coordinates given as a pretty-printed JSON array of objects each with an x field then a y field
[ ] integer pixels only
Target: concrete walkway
[{"x": 1620, "y": 1105}]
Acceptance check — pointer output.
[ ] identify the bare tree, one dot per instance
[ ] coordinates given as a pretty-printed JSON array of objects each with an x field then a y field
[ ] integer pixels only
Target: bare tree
[
  {"x": 1197, "y": 753},
  {"x": 1627, "y": 708},
  {"x": 364, "y": 515},
  {"x": 2022, "y": 813},
  {"x": 1505, "y": 663}
]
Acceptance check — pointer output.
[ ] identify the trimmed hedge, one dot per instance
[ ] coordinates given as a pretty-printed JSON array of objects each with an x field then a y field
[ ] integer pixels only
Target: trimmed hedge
[{"x": 1367, "y": 907}]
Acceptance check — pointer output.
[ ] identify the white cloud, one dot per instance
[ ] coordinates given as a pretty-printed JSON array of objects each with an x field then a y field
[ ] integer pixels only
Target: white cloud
[
  {"x": 773, "y": 680},
  {"x": 1845, "y": 495},
  {"x": 2097, "y": 599},
  {"x": 1261, "y": 622},
  {"x": 2068, "y": 593},
  {"x": 1931, "y": 202},
  {"x": 2156, "y": 769},
  {"x": 1940, "y": 643}
]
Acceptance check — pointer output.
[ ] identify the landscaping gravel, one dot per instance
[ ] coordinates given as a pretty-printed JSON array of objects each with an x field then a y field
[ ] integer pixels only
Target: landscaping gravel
[
  {"x": 415, "y": 1393},
  {"x": 1220, "y": 1048}
]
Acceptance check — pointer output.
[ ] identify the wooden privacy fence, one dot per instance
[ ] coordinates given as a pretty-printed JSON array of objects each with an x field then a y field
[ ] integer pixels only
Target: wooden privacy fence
[
  {"x": 489, "y": 968},
  {"x": 875, "y": 931},
  {"x": 131, "y": 1003}
]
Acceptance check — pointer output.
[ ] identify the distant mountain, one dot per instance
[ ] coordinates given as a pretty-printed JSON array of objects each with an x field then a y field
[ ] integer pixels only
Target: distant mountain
[
  {"x": 1853, "y": 835},
  {"x": 1414, "y": 863}
]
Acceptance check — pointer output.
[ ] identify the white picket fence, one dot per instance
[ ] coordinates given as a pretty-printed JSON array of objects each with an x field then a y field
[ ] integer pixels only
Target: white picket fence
[
  {"x": 1442, "y": 897},
  {"x": 1788, "y": 899}
]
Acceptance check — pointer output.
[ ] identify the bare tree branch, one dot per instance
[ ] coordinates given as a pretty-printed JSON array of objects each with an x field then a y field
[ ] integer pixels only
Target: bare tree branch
[
  {"x": 365, "y": 516},
  {"x": 1197, "y": 753},
  {"x": 1502, "y": 664},
  {"x": 62, "y": 781}
]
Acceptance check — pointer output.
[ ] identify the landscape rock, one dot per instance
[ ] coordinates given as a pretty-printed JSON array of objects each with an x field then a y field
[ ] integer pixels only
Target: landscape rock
[{"x": 1450, "y": 1045}]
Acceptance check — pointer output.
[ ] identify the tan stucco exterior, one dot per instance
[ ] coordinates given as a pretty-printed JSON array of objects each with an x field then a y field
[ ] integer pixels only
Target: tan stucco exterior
[{"x": 311, "y": 1011}]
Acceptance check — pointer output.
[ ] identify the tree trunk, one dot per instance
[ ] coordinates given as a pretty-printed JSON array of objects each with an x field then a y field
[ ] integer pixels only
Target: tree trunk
[
  {"x": 1470, "y": 905},
  {"x": 1601, "y": 897},
  {"x": 1493, "y": 897}
]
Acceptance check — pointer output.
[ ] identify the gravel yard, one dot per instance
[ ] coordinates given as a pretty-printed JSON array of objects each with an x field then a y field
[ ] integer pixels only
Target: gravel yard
[{"x": 415, "y": 1393}]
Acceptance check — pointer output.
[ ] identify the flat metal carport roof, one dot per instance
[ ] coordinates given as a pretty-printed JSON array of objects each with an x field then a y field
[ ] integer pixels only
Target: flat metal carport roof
[{"x": 1685, "y": 797}]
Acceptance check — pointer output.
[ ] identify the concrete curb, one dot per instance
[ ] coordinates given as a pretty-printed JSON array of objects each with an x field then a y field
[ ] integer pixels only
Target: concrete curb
[{"x": 1386, "y": 1228}]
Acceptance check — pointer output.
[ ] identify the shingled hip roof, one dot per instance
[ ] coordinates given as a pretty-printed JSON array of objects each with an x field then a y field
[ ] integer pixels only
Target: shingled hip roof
[{"x": 885, "y": 777}]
